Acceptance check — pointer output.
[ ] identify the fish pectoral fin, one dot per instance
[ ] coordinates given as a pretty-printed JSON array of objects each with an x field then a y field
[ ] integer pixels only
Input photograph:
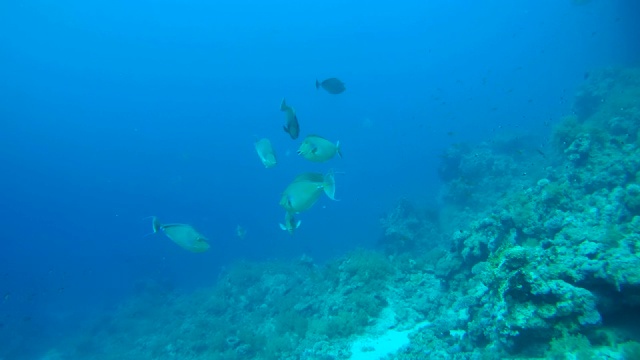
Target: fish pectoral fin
[
  {"x": 283, "y": 227},
  {"x": 298, "y": 223},
  {"x": 285, "y": 128}
]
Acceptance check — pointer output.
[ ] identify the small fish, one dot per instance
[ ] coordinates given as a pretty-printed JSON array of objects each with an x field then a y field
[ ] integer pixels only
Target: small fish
[
  {"x": 241, "y": 232},
  {"x": 292, "y": 127},
  {"x": 182, "y": 234},
  {"x": 306, "y": 189},
  {"x": 266, "y": 153},
  {"x": 290, "y": 223},
  {"x": 318, "y": 149},
  {"x": 331, "y": 85}
]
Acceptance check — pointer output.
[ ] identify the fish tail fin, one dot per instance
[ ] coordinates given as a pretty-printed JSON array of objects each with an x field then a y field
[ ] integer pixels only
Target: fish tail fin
[
  {"x": 317, "y": 84},
  {"x": 329, "y": 185},
  {"x": 338, "y": 149},
  {"x": 155, "y": 224},
  {"x": 283, "y": 105}
]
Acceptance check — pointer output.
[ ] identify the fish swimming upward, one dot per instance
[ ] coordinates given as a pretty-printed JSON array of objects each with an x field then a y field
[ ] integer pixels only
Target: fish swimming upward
[
  {"x": 291, "y": 127},
  {"x": 266, "y": 153}
]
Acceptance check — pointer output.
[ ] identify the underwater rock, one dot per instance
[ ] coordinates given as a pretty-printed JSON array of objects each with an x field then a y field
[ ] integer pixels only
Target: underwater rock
[{"x": 578, "y": 150}]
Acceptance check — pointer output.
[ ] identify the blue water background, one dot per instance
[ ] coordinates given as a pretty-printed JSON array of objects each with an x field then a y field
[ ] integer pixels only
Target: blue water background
[{"x": 111, "y": 111}]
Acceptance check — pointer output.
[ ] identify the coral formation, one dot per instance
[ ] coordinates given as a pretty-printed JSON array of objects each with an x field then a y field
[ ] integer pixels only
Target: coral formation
[{"x": 532, "y": 261}]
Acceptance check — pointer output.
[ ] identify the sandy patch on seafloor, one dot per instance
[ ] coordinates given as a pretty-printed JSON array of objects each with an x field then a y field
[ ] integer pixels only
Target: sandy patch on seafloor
[{"x": 375, "y": 347}]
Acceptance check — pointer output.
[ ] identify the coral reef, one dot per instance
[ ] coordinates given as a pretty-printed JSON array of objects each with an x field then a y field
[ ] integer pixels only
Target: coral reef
[{"x": 532, "y": 253}]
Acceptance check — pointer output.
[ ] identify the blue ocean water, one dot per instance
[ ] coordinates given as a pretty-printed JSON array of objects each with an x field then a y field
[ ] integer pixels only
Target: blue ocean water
[{"x": 113, "y": 111}]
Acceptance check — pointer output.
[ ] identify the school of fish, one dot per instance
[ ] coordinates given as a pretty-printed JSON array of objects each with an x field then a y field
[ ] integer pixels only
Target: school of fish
[{"x": 300, "y": 195}]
